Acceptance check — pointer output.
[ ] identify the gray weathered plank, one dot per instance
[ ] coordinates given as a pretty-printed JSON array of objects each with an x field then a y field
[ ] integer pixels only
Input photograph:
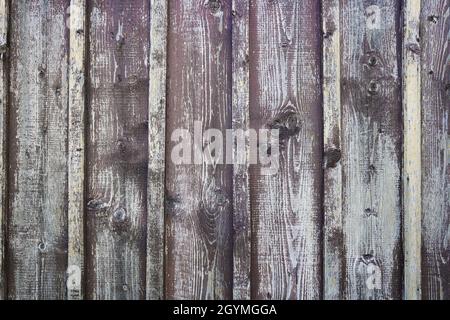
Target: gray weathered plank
[
  {"x": 435, "y": 33},
  {"x": 199, "y": 196},
  {"x": 332, "y": 202},
  {"x": 37, "y": 220},
  {"x": 76, "y": 150},
  {"x": 240, "y": 121},
  {"x": 157, "y": 140},
  {"x": 285, "y": 94},
  {"x": 371, "y": 149},
  {"x": 117, "y": 149},
  {"x": 4, "y": 12},
  {"x": 412, "y": 166}
]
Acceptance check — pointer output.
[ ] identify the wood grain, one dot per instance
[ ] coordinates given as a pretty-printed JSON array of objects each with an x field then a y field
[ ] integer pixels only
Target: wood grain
[
  {"x": 332, "y": 203},
  {"x": 76, "y": 145},
  {"x": 371, "y": 149},
  {"x": 435, "y": 69},
  {"x": 117, "y": 149},
  {"x": 285, "y": 94},
  {"x": 4, "y": 17},
  {"x": 199, "y": 196},
  {"x": 157, "y": 143},
  {"x": 412, "y": 166},
  {"x": 92, "y": 205},
  {"x": 37, "y": 220},
  {"x": 240, "y": 121}
]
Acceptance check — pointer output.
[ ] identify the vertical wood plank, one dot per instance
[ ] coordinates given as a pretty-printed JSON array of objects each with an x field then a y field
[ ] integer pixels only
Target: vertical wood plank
[
  {"x": 157, "y": 140},
  {"x": 117, "y": 149},
  {"x": 412, "y": 209},
  {"x": 333, "y": 236},
  {"x": 37, "y": 220},
  {"x": 199, "y": 196},
  {"x": 285, "y": 94},
  {"x": 240, "y": 121},
  {"x": 435, "y": 33},
  {"x": 4, "y": 12},
  {"x": 75, "y": 206},
  {"x": 371, "y": 149}
]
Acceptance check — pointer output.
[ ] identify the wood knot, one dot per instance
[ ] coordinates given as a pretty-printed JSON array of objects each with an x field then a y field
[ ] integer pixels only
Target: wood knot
[
  {"x": 286, "y": 43},
  {"x": 42, "y": 246},
  {"x": 368, "y": 258},
  {"x": 368, "y": 212},
  {"x": 433, "y": 18},
  {"x": 96, "y": 205},
  {"x": 413, "y": 47},
  {"x": 328, "y": 34},
  {"x": 447, "y": 87},
  {"x": 120, "y": 40},
  {"x": 374, "y": 87},
  {"x": 373, "y": 61},
  {"x": 332, "y": 157},
  {"x": 246, "y": 59},
  {"x": 119, "y": 216},
  {"x": 41, "y": 71},
  {"x": 172, "y": 203},
  {"x": 288, "y": 124},
  {"x": 119, "y": 220},
  {"x": 330, "y": 29},
  {"x": 214, "y": 6}
]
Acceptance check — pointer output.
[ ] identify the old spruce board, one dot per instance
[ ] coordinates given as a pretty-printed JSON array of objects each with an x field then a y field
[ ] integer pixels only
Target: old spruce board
[
  {"x": 333, "y": 263},
  {"x": 117, "y": 149},
  {"x": 370, "y": 245},
  {"x": 411, "y": 165},
  {"x": 4, "y": 15},
  {"x": 435, "y": 70},
  {"x": 76, "y": 150},
  {"x": 240, "y": 121},
  {"x": 198, "y": 199},
  {"x": 285, "y": 94},
  {"x": 156, "y": 152},
  {"x": 37, "y": 148}
]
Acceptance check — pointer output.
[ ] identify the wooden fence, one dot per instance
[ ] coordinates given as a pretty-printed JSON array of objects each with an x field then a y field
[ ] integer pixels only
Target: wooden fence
[{"x": 92, "y": 207}]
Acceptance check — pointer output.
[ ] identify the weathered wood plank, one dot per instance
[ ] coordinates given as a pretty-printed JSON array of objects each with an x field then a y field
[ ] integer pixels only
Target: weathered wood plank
[
  {"x": 285, "y": 94},
  {"x": 412, "y": 210},
  {"x": 157, "y": 140},
  {"x": 371, "y": 149},
  {"x": 332, "y": 202},
  {"x": 240, "y": 121},
  {"x": 37, "y": 221},
  {"x": 199, "y": 196},
  {"x": 435, "y": 33},
  {"x": 117, "y": 149},
  {"x": 76, "y": 204},
  {"x": 4, "y": 13}
]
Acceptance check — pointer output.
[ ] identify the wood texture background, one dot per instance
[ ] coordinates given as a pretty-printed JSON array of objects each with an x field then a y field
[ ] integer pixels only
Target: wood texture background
[{"x": 92, "y": 207}]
